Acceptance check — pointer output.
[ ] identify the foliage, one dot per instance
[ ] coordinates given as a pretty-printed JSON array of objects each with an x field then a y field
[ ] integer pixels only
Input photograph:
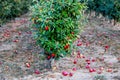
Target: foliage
[
  {"x": 13, "y": 8},
  {"x": 116, "y": 12},
  {"x": 109, "y": 8},
  {"x": 57, "y": 25}
]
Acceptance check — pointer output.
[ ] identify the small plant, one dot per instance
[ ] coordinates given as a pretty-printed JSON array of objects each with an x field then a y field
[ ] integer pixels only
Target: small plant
[
  {"x": 100, "y": 77},
  {"x": 57, "y": 24}
]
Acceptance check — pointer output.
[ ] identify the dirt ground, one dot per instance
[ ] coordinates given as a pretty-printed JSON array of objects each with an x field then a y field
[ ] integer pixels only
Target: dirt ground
[{"x": 98, "y": 59}]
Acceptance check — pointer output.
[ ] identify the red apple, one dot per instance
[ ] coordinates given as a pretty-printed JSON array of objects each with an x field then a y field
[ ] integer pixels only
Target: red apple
[
  {"x": 53, "y": 55},
  {"x": 88, "y": 62},
  {"x": 70, "y": 74},
  {"x": 75, "y": 61},
  {"x": 66, "y": 46},
  {"x": 78, "y": 52},
  {"x": 27, "y": 65},
  {"x": 109, "y": 70},
  {"x": 90, "y": 70},
  {"x": 101, "y": 68},
  {"x": 93, "y": 60},
  {"x": 79, "y": 43},
  {"x": 107, "y": 47},
  {"x": 15, "y": 40},
  {"x": 37, "y": 72},
  {"x": 48, "y": 57},
  {"x": 94, "y": 70},
  {"x": 87, "y": 66},
  {"x": 83, "y": 56},
  {"x": 65, "y": 73},
  {"x": 78, "y": 56},
  {"x": 74, "y": 69},
  {"x": 19, "y": 33},
  {"x": 46, "y": 28}
]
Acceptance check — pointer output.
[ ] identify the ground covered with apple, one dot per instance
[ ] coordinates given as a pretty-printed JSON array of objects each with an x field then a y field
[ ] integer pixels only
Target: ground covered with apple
[{"x": 97, "y": 57}]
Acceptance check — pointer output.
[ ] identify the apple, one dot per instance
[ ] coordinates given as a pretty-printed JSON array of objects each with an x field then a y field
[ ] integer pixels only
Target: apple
[
  {"x": 37, "y": 72},
  {"x": 27, "y": 65},
  {"x": 70, "y": 74},
  {"x": 74, "y": 69},
  {"x": 65, "y": 73},
  {"x": 87, "y": 66}
]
